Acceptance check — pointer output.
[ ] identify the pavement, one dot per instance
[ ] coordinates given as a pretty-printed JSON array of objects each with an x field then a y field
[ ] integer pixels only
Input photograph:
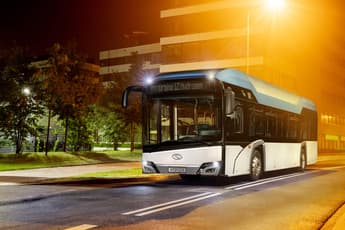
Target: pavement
[
  {"x": 62, "y": 180},
  {"x": 69, "y": 171}
]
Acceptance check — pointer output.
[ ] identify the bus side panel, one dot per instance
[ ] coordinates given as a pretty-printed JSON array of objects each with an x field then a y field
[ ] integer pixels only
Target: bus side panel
[
  {"x": 282, "y": 155},
  {"x": 237, "y": 160},
  {"x": 311, "y": 152}
]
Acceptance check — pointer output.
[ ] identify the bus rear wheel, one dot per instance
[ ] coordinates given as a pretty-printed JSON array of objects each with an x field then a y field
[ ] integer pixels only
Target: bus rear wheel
[
  {"x": 256, "y": 166},
  {"x": 303, "y": 161}
]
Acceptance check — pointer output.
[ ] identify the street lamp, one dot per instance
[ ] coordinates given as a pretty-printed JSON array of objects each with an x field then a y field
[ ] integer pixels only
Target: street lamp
[
  {"x": 26, "y": 91},
  {"x": 275, "y": 5},
  {"x": 272, "y": 6}
]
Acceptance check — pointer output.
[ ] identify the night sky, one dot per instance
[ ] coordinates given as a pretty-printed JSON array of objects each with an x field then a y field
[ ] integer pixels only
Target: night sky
[
  {"x": 93, "y": 24},
  {"x": 96, "y": 25}
]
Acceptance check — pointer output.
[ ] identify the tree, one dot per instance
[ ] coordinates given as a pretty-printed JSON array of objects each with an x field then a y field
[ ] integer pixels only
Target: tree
[
  {"x": 20, "y": 99},
  {"x": 107, "y": 124},
  {"x": 70, "y": 85}
]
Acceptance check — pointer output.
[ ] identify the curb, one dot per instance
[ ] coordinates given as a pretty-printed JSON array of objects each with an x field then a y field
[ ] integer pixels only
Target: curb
[
  {"x": 337, "y": 220},
  {"x": 103, "y": 181}
]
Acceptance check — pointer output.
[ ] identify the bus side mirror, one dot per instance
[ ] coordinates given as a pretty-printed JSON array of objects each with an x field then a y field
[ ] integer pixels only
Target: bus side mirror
[
  {"x": 128, "y": 90},
  {"x": 229, "y": 102}
]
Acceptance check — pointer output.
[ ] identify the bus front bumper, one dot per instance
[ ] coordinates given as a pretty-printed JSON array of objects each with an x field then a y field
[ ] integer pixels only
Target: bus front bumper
[{"x": 208, "y": 168}]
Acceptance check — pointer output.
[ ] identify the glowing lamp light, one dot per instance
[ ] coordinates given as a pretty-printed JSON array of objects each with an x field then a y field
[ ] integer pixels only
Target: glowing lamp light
[
  {"x": 148, "y": 80},
  {"x": 211, "y": 75},
  {"x": 275, "y": 5},
  {"x": 26, "y": 91}
]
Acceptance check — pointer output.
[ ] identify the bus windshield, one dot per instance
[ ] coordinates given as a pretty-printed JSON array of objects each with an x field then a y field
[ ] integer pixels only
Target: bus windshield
[{"x": 183, "y": 119}]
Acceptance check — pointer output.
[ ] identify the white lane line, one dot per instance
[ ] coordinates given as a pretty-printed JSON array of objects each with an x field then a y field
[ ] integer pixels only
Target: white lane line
[
  {"x": 272, "y": 180},
  {"x": 262, "y": 180},
  {"x": 178, "y": 204},
  {"x": 167, "y": 203},
  {"x": 8, "y": 183},
  {"x": 82, "y": 227}
]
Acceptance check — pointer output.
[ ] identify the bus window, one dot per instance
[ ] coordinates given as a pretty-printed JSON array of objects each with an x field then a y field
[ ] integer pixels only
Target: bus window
[
  {"x": 166, "y": 122},
  {"x": 153, "y": 128},
  {"x": 271, "y": 124},
  {"x": 293, "y": 126},
  {"x": 260, "y": 124},
  {"x": 238, "y": 120}
]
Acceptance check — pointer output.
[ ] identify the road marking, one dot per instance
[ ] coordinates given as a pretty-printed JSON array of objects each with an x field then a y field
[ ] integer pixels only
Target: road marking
[
  {"x": 264, "y": 181},
  {"x": 164, "y": 204},
  {"x": 255, "y": 182},
  {"x": 82, "y": 227},
  {"x": 178, "y": 204},
  {"x": 171, "y": 204},
  {"x": 8, "y": 183}
]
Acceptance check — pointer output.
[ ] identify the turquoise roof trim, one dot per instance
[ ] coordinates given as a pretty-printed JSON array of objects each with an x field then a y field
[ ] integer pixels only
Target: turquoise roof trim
[{"x": 266, "y": 93}]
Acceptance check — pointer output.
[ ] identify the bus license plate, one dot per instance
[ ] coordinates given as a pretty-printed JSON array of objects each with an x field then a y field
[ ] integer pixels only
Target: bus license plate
[{"x": 176, "y": 170}]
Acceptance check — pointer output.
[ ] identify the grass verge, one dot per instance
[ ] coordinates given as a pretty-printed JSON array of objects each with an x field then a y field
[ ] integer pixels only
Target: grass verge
[
  {"x": 123, "y": 173},
  {"x": 56, "y": 159}
]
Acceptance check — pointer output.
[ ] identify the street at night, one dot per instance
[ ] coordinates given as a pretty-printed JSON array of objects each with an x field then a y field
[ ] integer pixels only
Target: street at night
[
  {"x": 172, "y": 115},
  {"x": 285, "y": 200}
]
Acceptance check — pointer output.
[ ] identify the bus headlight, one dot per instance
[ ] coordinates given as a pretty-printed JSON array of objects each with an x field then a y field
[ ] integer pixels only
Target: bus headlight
[
  {"x": 210, "y": 168},
  {"x": 149, "y": 167},
  {"x": 216, "y": 164}
]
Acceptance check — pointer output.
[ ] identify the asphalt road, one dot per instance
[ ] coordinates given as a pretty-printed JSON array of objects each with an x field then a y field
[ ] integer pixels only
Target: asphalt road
[{"x": 283, "y": 200}]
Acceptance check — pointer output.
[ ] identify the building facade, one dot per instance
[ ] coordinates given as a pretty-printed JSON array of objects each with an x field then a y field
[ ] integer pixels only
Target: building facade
[{"x": 116, "y": 62}]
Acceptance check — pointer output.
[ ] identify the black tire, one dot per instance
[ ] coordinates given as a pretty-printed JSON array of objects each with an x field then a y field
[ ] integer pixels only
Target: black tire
[
  {"x": 256, "y": 165},
  {"x": 303, "y": 161}
]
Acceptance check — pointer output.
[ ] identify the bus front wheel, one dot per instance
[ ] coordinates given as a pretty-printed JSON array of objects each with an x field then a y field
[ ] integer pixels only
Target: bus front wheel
[{"x": 256, "y": 166}]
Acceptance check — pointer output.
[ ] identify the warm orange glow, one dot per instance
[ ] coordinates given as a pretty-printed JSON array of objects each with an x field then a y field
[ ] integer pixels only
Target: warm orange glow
[{"x": 275, "y": 5}]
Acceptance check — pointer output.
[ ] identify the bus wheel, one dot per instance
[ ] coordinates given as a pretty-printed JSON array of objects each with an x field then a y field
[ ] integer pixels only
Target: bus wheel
[
  {"x": 256, "y": 166},
  {"x": 303, "y": 161}
]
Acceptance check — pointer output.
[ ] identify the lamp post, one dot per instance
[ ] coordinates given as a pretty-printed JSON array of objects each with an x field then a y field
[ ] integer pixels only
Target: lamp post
[{"x": 270, "y": 5}]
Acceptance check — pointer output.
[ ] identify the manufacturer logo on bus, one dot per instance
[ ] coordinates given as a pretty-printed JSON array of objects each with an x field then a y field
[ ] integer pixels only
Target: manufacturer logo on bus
[{"x": 177, "y": 156}]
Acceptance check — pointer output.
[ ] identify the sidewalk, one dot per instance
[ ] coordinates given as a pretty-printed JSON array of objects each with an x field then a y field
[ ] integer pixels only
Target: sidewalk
[{"x": 67, "y": 171}]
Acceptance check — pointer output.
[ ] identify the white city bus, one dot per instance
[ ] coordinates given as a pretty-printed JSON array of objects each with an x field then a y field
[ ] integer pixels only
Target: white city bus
[{"x": 223, "y": 123}]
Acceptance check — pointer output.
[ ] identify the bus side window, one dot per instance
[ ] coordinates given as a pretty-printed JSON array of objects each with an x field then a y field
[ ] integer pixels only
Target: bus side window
[
  {"x": 293, "y": 126},
  {"x": 238, "y": 120},
  {"x": 260, "y": 124},
  {"x": 271, "y": 127},
  {"x": 282, "y": 125},
  {"x": 234, "y": 125}
]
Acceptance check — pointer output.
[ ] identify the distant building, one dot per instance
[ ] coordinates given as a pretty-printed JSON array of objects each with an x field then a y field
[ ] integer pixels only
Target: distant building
[
  {"x": 118, "y": 61},
  {"x": 43, "y": 64}
]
